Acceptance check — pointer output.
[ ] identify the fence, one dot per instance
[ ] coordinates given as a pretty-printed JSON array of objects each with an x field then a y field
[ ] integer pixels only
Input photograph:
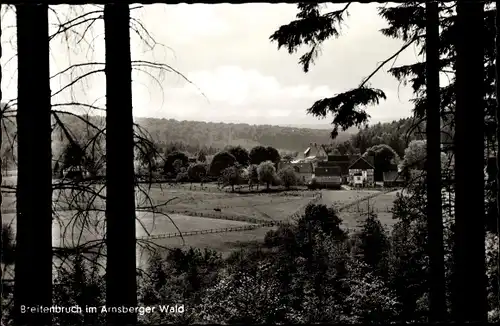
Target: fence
[
  {"x": 359, "y": 201},
  {"x": 301, "y": 211},
  {"x": 198, "y": 232}
]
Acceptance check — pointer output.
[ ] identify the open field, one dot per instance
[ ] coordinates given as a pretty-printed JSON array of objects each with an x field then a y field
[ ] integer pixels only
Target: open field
[
  {"x": 187, "y": 204},
  {"x": 381, "y": 205},
  {"x": 147, "y": 223},
  {"x": 225, "y": 243}
]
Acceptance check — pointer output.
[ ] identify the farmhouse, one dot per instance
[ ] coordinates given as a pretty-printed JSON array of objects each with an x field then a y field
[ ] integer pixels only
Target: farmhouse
[
  {"x": 361, "y": 172},
  {"x": 393, "y": 179},
  {"x": 343, "y": 162}
]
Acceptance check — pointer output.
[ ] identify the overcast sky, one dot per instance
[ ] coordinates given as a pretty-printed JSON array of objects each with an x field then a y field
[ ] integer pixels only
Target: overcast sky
[{"x": 225, "y": 51}]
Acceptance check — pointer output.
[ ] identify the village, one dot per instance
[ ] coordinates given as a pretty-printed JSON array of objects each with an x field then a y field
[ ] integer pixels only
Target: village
[{"x": 320, "y": 169}]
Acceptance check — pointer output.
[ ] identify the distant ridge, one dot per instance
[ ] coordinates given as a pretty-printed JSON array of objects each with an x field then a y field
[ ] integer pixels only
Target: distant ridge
[{"x": 319, "y": 126}]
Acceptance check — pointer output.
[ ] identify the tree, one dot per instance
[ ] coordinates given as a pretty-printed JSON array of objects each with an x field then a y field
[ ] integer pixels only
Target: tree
[
  {"x": 437, "y": 295},
  {"x": 221, "y": 161},
  {"x": 171, "y": 158},
  {"x": 469, "y": 299},
  {"x": 241, "y": 154},
  {"x": 121, "y": 278},
  {"x": 385, "y": 159},
  {"x": 288, "y": 177},
  {"x": 202, "y": 157},
  {"x": 372, "y": 245},
  {"x": 415, "y": 155},
  {"x": 312, "y": 28},
  {"x": 197, "y": 172},
  {"x": 231, "y": 176},
  {"x": 253, "y": 176},
  {"x": 273, "y": 155},
  {"x": 267, "y": 173},
  {"x": 73, "y": 156},
  {"x": 258, "y": 154},
  {"x": 34, "y": 181}
]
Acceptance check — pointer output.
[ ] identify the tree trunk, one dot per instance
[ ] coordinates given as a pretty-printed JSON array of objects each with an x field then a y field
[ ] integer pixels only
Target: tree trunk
[
  {"x": 469, "y": 302},
  {"x": 121, "y": 283},
  {"x": 497, "y": 186},
  {"x": 33, "y": 264},
  {"x": 437, "y": 294}
]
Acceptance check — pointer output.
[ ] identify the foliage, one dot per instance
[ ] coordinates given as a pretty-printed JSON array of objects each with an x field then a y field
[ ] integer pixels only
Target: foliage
[
  {"x": 201, "y": 157},
  {"x": 221, "y": 161},
  {"x": 273, "y": 154},
  {"x": 8, "y": 245},
  {"x": 180, "y": 277},
  {"x": 385, "y": 159},
  {"x": 78, "y": 283},
  {"x": 415, "y": 155},
  {"x": 312, "y": 28},
  {"x": 177, "y": 165},
  {"x": 196, "y": 172},
  {"x": 182, "y": 177},
  {"x": 395, "y": 134},
  {"x": 241, "y": 154},
  {"x": 371, "y": 246},
  {"x": 73, "y": 156},
  {"x": 170, "y": 159},
  {"x": 267, "y": 173},
  {"x": 253, "y": 174},
  {"x": 212, "y": 137},
  {"x": 258, "y": 154},
  {"x": 231, "y": 176},
  {"x": 288, "y": 177}
]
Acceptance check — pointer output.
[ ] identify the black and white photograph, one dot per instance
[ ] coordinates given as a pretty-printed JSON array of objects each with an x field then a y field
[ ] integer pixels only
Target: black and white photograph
[{"x": 249, "y": 163}]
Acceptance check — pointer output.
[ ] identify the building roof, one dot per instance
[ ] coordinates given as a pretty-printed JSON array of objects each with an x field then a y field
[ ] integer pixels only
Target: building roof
[
  {"x": 362, "y": 164},
  {"x": 338, "y": 158}
]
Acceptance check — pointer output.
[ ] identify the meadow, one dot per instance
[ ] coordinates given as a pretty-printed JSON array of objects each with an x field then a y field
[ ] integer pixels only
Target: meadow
[{"x": 184, "y": 208}]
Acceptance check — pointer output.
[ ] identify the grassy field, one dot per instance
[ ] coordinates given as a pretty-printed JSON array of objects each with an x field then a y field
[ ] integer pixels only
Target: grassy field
[
  {"x": 224, "y": 243},
  {"x": 381, "y": 205},
  {"x": 184, "y": 200}
]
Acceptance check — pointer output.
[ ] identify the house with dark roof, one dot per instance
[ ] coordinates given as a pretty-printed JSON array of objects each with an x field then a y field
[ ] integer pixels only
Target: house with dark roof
[
  {"x": 362, "y": 172},
  {"x": 340, "y": 161}
]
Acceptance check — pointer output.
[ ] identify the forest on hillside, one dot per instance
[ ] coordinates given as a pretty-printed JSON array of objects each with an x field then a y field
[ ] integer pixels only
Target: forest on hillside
[{"x": 192, "y": 136}]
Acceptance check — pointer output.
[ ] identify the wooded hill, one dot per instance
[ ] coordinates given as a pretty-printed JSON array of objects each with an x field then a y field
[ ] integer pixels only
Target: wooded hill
[{"x": 196, "y": 134}]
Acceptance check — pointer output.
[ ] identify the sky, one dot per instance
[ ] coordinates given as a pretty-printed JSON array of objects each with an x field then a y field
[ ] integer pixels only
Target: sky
[{"x": 231, "y": 72}]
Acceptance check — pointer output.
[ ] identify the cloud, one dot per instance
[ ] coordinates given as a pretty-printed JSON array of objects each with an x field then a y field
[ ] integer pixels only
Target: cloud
[{"x": 225, "y": 50}]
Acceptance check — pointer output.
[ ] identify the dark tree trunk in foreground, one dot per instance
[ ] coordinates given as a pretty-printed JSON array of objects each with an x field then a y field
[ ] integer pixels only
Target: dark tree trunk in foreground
[
  {"x": 433, "y": 167},
  {"x": 469, "y": 297},
  {"x": 121, "y": 284},
  {"x": 497, "y": 186},
  {"x": 33, "y": 264}
]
